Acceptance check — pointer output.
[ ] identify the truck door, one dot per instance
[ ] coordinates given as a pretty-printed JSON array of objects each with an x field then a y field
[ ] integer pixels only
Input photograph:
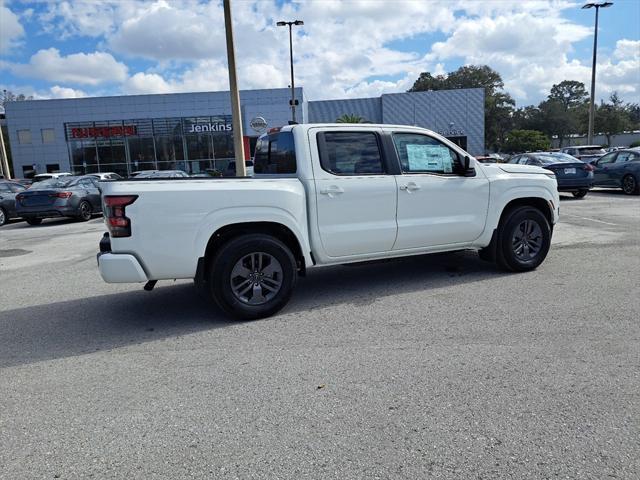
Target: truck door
[
  {"x": 437, "y": 204},
  {"x": 355, "y": 195}
]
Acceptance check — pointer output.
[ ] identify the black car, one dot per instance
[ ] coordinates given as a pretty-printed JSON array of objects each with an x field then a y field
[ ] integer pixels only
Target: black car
[
  {"x": 69, "y": 196},
  {"x": 8, "y": 192},
  {"x": 619, "y": 169},
  {"x": 572, "y": 175}
]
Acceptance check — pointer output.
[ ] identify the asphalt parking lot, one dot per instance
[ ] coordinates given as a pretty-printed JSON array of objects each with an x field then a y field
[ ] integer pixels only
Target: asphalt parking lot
[{"x": 436, "y": 366}]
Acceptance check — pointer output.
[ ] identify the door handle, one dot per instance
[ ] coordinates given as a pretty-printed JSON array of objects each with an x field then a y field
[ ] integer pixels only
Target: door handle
[
  {"x": 332, "y": 190},
  {"x": 410, "y": 187}
]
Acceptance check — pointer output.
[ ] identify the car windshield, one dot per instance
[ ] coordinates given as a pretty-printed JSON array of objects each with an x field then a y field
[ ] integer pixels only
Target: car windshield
[
  {"x": 548, "y": 159},
  {"x": 61, "y": 182}
]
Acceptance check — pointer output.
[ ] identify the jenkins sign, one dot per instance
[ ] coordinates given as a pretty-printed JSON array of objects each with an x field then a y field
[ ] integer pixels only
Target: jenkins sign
[{"x": 92, "y": 132}]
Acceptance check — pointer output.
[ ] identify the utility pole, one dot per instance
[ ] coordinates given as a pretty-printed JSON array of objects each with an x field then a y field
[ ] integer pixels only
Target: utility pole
[
  {"x": 592, "y": 111},
  {"x": 4, "y": 162},
  {"x": 238, "y": 143}
]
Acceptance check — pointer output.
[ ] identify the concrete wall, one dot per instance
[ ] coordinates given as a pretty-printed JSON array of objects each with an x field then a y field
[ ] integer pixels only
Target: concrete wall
[{"x": 34, "y": 115}]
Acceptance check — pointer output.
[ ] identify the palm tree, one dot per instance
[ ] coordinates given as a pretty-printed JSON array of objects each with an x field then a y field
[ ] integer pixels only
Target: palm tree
[{"x": 350, "y": 118}]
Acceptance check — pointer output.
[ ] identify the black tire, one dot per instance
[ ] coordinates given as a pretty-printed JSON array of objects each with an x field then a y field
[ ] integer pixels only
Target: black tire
[
  {"x": 580, "y": 193},
  {"x": 84, "y": 211},
  {"x": 4, "y": 217},
  {"x": 33, "y": 220},
  {"x": 516, "y": 255},
  {"x": 242, "y": 249},
  {"x": 630, "y": 185}
]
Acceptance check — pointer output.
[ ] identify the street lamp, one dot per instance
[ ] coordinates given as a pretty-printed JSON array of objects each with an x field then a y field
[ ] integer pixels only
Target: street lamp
[
  {"x": 293, "y": 100},
  {"x": 597, "y": 6}
]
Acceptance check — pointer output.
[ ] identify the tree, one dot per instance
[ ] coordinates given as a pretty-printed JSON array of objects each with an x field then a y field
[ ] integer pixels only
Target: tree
[
  {"x": 569, "y": 93},
  {"x": 9, "y": 96},
  {"x": 526, "y": 141},
  {"x": 350, "y": 118},
  {"x": 612, "y": 118},
  {"x": 498, "y": 104}
]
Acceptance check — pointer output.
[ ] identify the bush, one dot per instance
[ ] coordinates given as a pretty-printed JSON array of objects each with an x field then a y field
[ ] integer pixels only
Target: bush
[
  {"x": 635, "y": 144},
  {"x": 526, "y": 141}
]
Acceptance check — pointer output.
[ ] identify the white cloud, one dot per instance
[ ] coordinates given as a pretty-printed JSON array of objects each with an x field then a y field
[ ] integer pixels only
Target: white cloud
[
  {"x": 11, "y": 31},
  {"x": 79, "y": 68},
  {"x": 66, "y": 92},
  {"x": 163, "y": 31}
]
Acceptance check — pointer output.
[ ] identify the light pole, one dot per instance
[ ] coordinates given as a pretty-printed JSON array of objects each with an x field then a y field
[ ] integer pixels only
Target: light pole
[
  {"x": 597, "y": 6},
  {"x": 293, "y": 100}
]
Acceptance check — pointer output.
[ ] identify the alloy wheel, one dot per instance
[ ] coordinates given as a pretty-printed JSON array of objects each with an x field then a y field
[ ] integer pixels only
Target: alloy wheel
[
  {"x": 256, "y": 278},
  {"x": 3, "y": 217},
  {"x": 526, "y": 240},
  {"x": 628, "y": 184}
]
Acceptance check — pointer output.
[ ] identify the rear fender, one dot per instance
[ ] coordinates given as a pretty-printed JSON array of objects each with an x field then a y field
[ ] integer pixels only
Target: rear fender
[{"x": 235, "y": 215}]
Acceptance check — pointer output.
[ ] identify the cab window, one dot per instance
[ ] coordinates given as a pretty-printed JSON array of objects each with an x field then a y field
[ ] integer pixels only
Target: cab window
[
  {"x": 424, "y": 154},
  {"x": 275, "y": 154},
  {"x": 350, "y": 153}
]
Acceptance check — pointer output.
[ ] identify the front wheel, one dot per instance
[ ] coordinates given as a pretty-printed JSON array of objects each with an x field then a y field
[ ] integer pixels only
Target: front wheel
[
  {"x": 630, "y": 185},
  {"x": 524, "y": 239},
  {"x": 253, "y": 276},
  {"x": 4, "y": 218},
  {"x": 580, "y": 193}
]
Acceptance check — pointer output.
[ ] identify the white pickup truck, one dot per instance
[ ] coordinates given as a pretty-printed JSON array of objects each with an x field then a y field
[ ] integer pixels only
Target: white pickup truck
[{"x": 324, "y": 194}]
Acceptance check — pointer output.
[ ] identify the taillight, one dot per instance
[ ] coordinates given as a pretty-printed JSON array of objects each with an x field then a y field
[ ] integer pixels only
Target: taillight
[
  {"x": 117, "y": 223},
  {"x": 588, "y": 167},
  {"x": 61, "y": 194},
  {"x": 19, "y": 197}
]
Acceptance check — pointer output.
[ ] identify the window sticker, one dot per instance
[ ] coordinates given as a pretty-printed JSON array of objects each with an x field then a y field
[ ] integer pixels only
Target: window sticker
[{"x": 432, "y": 158}]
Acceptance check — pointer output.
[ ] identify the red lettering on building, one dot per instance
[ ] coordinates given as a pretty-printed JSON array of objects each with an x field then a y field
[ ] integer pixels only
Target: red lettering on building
[{"x": 105, "y": 132}]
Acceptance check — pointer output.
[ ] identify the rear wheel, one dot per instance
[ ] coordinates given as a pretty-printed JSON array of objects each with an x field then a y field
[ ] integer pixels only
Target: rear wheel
[
  {"x": 4, "y": 218},
  {"x": 33, "y": 220},
  {"x": 580, "y": 193},
  {"x": 630, "y": 185},
  {"x": 524, "y": 239},
  {"x": 253, "y": 276},
  {"x": 84, "y": 211}
]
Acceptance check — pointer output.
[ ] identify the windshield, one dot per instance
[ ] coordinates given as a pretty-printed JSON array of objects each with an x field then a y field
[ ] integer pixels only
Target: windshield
[
  {"x": 548, "y": 159},
  {"x": 61, "y": 182}
]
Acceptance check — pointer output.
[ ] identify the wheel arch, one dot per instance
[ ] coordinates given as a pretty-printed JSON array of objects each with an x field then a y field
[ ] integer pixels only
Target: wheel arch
[{"x": 228, "y": 232}]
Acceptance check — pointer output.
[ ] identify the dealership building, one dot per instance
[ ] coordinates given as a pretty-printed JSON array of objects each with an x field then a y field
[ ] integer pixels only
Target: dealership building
[{"x": 193, "y": 131}]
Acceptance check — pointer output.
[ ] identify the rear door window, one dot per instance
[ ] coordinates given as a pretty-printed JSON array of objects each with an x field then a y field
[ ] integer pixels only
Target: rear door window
[
  {"x": 275, "y": 154},
  {"x": 350, "y": 153}
]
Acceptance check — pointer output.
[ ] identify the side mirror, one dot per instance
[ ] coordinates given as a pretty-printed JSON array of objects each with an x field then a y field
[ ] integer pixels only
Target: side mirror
[{"x": 467, "y": 169}]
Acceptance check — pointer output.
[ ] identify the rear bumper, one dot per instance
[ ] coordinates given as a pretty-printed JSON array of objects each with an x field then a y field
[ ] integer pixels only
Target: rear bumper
[
  {"x": 47, "y": 212},
  {"x": 118, "y": 267}
]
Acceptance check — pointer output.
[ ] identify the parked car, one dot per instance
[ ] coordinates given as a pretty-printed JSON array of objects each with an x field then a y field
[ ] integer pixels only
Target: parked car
[
  {"x": 231, "y": 168},
  {"x": 620, "y": 169},
  {"x": 573, "y": 175},
  {"x": 8, "y": 192},
  {"x": 324, "y": 195},
  {"x": 106, "y": 176},
  {"x": 67, "y": 196},
  {"x": 160, "y": 174},
  {"x": 46, "y": 176},
  {"x": 586, "y": 153}
]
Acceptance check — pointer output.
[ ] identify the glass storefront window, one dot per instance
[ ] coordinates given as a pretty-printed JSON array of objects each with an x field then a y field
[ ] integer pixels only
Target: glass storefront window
[
  {"x": 141, "y": 153},
  {"x": 169, "y": 150},
  {"x": 192, "y": 144}
]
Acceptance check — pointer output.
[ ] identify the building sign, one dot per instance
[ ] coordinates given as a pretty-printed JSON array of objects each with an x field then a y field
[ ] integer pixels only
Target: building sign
[
  {"x": 104, "y": 132},
  {"x": 208, "y": 127},
  {"x": 258, "y": 124}
]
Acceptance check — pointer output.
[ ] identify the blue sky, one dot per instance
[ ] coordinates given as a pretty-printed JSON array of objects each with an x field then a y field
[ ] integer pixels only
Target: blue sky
[{"x": 346, "y": 48}]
